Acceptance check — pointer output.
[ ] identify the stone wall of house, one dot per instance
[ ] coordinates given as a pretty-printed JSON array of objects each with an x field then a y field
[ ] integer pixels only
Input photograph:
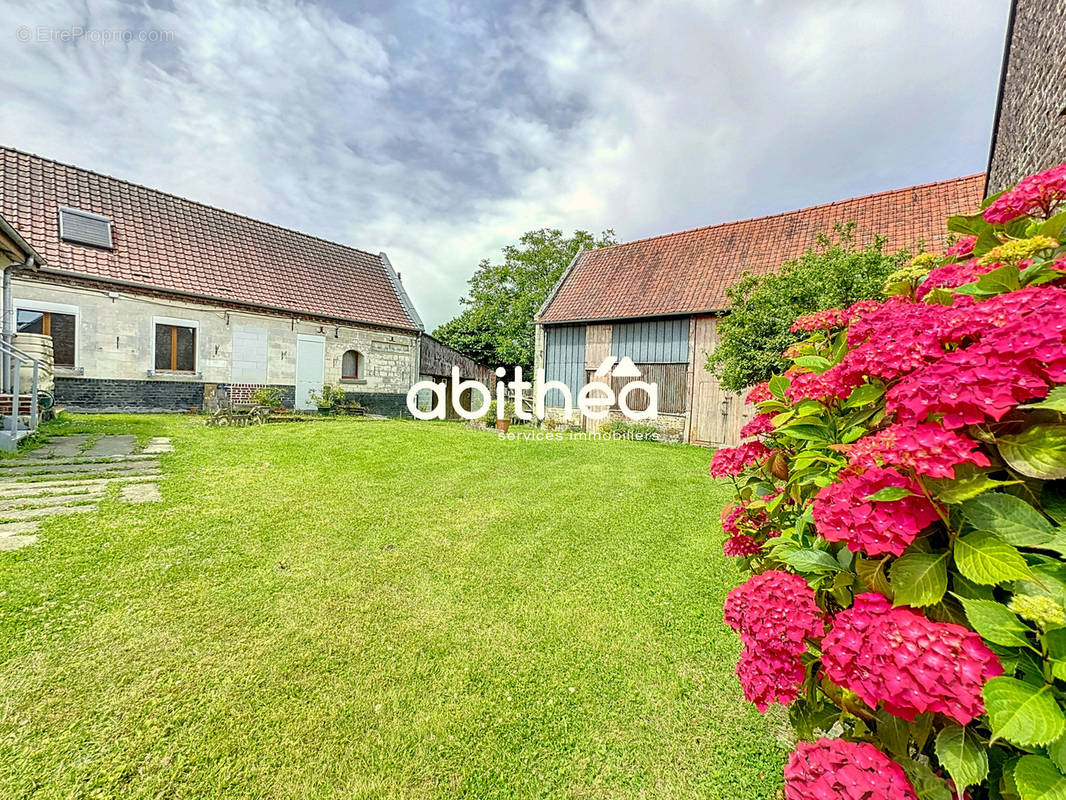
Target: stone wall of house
[
  {"x": 1031, "y": 130},
  {"x": 115, "y": 347}
]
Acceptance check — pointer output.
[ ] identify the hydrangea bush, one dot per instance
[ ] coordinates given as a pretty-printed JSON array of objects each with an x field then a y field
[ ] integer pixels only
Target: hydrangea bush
[{"x": 900, "y": 502}]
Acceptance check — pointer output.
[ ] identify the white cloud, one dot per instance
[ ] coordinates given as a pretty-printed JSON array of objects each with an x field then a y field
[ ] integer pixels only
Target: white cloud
[{"x": 439, "y": 133}]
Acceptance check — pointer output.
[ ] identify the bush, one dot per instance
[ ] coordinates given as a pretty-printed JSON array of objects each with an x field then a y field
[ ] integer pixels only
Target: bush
[
  {"x": 269, "y": 396},
  {"x": 762, "y": 307},
  {"x": 900, "y": 502},
  {"x": 334, "y": 400}
]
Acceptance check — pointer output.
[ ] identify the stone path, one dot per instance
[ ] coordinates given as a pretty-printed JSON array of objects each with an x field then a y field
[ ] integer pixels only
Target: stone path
[{"x": 69, "y": 475}]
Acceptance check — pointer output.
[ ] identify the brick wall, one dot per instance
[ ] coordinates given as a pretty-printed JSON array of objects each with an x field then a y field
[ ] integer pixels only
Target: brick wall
[
  {"x": 387, "y": 405},
  {"x": 1031, "y": 129}
]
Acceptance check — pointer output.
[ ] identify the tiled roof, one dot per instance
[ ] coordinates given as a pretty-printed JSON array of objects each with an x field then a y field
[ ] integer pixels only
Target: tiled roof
[
  {"x": 689, "y": 272},
  {"x": 172, "y": 244}
]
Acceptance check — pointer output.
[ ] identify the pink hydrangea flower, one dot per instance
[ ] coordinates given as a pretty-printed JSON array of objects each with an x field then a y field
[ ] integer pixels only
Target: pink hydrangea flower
[
  {"x": 758, "y": 425},
  {"x": 842, "y": 512},
  {"x": 741, "y": 545},
  {"x": 910, "y": 664},
  {"x": 836, "y": 769},
  {"x": 739, "y": 518},
  {"x": 1037, "y": 193},
  {"x": 929, "y": 449},
  {"x": 951, "y": 276},
  {"x": 758, "y": 393},
  {"x": 734, "y": 460},
  {"x": 962, "y": 248},
  {"x": 774, "y": 613},
  {"x": 821, "y": 320}
]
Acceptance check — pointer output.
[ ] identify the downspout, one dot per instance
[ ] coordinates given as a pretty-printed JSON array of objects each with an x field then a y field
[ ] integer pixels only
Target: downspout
[{"x": 9, "y": 318}]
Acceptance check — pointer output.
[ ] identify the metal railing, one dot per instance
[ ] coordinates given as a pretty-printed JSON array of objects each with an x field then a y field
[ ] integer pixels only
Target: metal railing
[{"x": 11, "y": 380}]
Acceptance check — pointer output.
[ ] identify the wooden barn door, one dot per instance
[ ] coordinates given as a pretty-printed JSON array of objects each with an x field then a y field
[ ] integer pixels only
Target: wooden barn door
[{"x": 710, "y": 418}]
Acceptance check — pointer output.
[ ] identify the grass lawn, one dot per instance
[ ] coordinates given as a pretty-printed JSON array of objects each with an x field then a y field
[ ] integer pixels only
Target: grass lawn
[{"x": 361, "y": 609}]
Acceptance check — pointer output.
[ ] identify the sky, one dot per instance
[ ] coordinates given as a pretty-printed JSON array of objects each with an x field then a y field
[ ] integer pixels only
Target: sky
[{"x": 441, "y": 131}]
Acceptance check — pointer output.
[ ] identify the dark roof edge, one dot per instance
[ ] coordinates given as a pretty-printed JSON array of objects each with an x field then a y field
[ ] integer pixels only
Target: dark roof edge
[
  {"x": 711, "y": 312},
  {"x": 82, "y": 276},
  {"x": 793, "y": 211},
  {"x": 999, "y": 92},
  {"x": 187, "y": 200},
  {"x": 401, "y": 293},
  {"x": 558, "y": 284}
]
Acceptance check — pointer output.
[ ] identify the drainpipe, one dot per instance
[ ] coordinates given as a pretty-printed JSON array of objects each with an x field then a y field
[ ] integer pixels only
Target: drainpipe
[{"x": 9, "y": 319}]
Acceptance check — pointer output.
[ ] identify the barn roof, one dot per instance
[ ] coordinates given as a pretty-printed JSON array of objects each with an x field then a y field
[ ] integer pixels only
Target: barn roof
[
  {"x": 168, "y": 243},
  {"x": 689, "y": 272}
]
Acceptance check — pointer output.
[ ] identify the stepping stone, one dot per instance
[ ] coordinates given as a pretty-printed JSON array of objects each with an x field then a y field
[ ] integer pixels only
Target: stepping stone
[
  {"x": 141, "y": 493},
  {"x": 73, "y": 482},
  {"x": 113, "y": 445},
  {"x": 48, "y": 500},
  {"x": 158, "y": 444},
  {"x": 127, "y": 467},
  {"x": 55, "y": 463},
  {"x": 18, "y": 528},
  {"x": 9, "y": 543},
  {"x": 61, "y": 447},
  {"x": 45, "y": 511}
]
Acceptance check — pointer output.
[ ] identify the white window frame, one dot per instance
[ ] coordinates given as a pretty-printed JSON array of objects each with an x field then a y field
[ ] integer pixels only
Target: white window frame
[
  {"x": 183, "y": 323},
  {"x": 44, "y": 306}
]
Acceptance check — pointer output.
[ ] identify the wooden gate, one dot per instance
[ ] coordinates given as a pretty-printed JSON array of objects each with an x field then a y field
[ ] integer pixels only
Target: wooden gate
[{"x": 717, "y": 415}]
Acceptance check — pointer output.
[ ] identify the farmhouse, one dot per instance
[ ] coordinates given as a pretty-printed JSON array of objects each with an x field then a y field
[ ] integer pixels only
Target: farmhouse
[
  {"x": 658, "y": 300},
  {"x": 153, "y": 302}
]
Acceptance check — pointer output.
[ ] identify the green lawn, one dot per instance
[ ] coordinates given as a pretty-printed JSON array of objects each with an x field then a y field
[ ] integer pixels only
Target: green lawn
[{"x": 362, "y": 609}]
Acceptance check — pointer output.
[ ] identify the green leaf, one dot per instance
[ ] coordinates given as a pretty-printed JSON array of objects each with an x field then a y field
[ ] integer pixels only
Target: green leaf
[
  {"x": 805, "y": 432},
  {"x": 1037, "y": 452},
  {"x": 1054, "y": 226},
  {"x": 1055, "y": 642},
  {"x": 995, "y": 622},
  {"x": 864, "y": 394},
  {"x": 1022, "y": 714},
  {"x": 890, "y": 493},
  {"x": 939, "y": 297},
  {"x": 1009, "y": 517},
  {"x": 1053, "y": 501},
  {"x": 807, "y": 559},
  {"x": 893, "y": 733},
  {"x": 777, "y": 385},
  {"x": 814, "y": 363},
  {"x": 927, "y": 784},
  {"x": 967, "y": 225},
  {"x": 1038, "y": 779},
  {"x": 1056, "y": 751},
  {"x": 872, "y": 573},
  {"x": 919, "y": 579},
  {"x": 985, "y": 558},
  {"x": 1056, "y": 399},
  {"x": 962, "y": 756},
  {"x": 968, "y": 483}
]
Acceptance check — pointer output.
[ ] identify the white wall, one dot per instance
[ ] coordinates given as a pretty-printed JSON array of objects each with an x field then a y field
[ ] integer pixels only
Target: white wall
[{"x": 115, "y": 339}]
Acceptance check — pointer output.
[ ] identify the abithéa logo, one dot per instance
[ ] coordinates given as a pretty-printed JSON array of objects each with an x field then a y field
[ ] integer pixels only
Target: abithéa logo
[{"x": 594, "y": 400}]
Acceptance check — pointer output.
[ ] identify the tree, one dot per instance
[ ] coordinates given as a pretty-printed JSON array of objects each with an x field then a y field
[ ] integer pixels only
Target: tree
[
  {"x": 496, "y": 325},
  {"x": 833, "y": 274}
]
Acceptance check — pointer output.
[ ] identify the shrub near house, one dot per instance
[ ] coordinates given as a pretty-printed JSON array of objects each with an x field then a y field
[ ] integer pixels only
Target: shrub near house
[{"x": 901, "y": 503}]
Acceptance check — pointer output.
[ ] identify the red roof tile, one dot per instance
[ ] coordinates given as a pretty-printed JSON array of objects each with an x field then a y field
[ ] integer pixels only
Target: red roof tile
[
  {"x": 689, "y": 272},
  {"x": 177, "y": 245}
]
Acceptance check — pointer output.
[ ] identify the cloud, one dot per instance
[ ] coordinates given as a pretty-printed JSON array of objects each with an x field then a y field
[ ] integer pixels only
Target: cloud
[{"x": 440, "y": 132}]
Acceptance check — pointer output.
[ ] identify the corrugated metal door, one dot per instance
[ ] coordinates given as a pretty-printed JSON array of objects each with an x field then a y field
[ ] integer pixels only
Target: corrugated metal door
[{"x": 657, "y": 341}]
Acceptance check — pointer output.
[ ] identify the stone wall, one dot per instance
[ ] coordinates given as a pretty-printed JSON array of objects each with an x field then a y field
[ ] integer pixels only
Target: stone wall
[
  {"x": 115, "y": 340},
  {"x": 1030, "y": 133}
]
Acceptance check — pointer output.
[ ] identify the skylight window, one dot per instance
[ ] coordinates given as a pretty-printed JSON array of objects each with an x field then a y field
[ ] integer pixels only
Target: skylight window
[{"x": 84, "y": 227}]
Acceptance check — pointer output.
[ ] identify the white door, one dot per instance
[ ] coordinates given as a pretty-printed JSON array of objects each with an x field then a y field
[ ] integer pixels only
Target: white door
[{"x": 310, "y": 368}]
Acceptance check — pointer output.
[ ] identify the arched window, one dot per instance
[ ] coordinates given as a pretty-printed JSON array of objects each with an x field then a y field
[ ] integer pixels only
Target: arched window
[{"x": 352, "y": 365}]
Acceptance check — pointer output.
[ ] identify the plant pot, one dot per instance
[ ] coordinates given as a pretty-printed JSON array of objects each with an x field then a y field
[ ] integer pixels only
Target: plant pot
[
  {"x": 325, "y": 412},
  {"x": 503, "y": 424}
]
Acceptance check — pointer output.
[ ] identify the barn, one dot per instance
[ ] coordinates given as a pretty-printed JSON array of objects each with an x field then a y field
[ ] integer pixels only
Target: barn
[{"x": 658, "y": 301}]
